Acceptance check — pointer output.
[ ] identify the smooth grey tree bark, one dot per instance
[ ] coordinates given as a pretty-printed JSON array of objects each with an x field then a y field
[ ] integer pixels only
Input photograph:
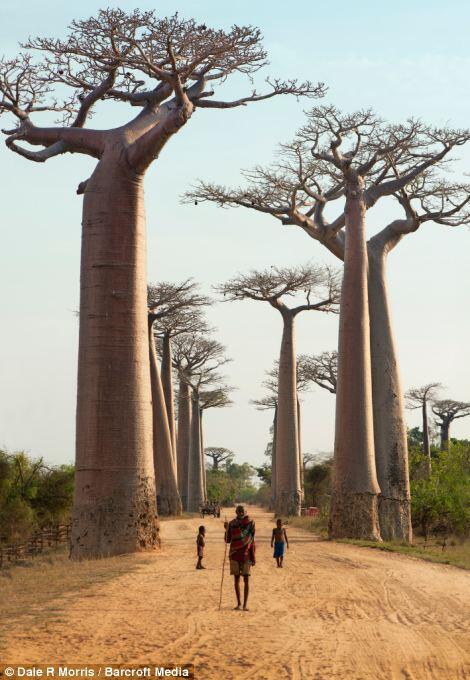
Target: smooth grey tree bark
[
  {"x": 168, "y": 498},
  {"x": 184, "y": 432},
  {"x": 195, "y": 471},
  {"x": 168, "y": 391},
  {"x": 288, "y": 483},
  {"x": 354, "y": 502},
  {"x": 390, "y": 434}
]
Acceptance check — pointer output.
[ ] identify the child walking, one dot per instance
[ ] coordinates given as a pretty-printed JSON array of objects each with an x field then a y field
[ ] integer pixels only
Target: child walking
[
  {"x": 200, "y": 543},
  {"x": 279, "y": 540}
]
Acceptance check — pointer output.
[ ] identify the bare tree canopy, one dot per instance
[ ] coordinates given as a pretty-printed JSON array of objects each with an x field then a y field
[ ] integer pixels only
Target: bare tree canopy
[
  {"x": 219, "y": 455},
  {"x": 197, "y": 359},
  {"x": 400, "y": 161},
  {"x": 216, "y": 398},
  {"x": 322, "y": 369},
  {"x": 162, "y": 65},
  {"x": 177, "y": 308},
  {"x": 165, "y": 298},
  {"x": 447, "y": 410},
  {"x": 269, "y": 401},
  {"x": 271, "y": 285},
  {"x": 417, "y": 395}
]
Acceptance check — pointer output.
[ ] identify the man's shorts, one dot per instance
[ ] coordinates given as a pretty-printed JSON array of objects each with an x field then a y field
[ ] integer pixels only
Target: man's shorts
[
  {"x": 279, "y": 549},
  {"x": 240, "y": 568}
]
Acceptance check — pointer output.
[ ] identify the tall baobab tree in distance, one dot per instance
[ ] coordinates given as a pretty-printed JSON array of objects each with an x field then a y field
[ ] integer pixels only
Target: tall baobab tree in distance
[
  {"x": 197, "y": 359},
  {"x": 446, "y": 411},
  {"x": 420, "y": 397},
  {"x": 270, "y": 401},
  {"x": 274, "y": 286},
  {"x": 177, "y": 308},
  {"x": 218, "y": 455},
  {"x": 163, "y": 66},
  {"x": 353, "y": 161},
  {"x": 168, "y": 498}
]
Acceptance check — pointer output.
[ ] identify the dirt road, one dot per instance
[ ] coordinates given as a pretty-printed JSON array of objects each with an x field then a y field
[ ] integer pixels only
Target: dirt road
[{"x": 334, "y": 611}]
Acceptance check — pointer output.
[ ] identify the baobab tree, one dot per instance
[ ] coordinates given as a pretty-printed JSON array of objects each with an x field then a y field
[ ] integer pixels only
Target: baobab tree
[
  {"x": 218, "y": 455},
  {"x": 321, "y": 369},
  {"x": 270, "y": 401},
  {"x": 274, "y": 286},
  {"x": 164, "y": 67},
  {"x": 173, "y": 308},
  {"x": 354, "y": 161},
  {"x": 446, "y": 411},
  {"x": 177, "y": 308},
  {"x": 196, "y": 359},
  {"x": 168, "y": 498},
  {"x": 420, "y": 397}
]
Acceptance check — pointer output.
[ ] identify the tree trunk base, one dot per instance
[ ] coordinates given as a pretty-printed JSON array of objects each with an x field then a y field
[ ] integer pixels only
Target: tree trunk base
[
  {"x": 123, "y": 522},
  {"x": 288, "y": 504},
  {"x": 195, "y": 506},
  {"x": 395, "y": 519},
  {"x": 169, "y": 505},
  {"x": 354, "y": 515}
]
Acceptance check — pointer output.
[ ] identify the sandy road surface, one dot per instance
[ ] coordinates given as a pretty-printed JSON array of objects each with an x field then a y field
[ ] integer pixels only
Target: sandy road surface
[{"x": 334, "y": 611}]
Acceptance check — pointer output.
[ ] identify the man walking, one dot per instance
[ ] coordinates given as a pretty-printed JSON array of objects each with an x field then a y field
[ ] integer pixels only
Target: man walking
[{"x": 240, "y": 533}]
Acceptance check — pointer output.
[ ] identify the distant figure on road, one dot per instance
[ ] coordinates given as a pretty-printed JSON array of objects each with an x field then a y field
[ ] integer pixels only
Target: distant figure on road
[
  {"x": 279, "y": 540},
  {"x": 200, "y": 543},
  {"x": 240, "y": 533}
]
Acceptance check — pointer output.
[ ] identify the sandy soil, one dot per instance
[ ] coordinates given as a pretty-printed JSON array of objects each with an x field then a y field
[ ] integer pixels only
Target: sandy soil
[{"x": 334, "y": 611}]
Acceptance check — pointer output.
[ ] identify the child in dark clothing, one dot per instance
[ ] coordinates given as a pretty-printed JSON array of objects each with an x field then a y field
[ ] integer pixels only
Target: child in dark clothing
[{"x": 200, "y": 543}]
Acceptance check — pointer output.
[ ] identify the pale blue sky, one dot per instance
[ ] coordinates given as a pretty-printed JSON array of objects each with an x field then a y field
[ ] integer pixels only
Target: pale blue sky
[{"x": 403, "y": 59}]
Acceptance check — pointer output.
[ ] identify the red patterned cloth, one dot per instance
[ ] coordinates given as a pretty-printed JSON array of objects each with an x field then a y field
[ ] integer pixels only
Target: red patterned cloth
[{"x": 241, "y": 536}]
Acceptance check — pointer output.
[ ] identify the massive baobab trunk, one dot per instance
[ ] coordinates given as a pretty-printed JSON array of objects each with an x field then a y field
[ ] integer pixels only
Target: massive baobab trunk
[
  {"x": 354, "y": 504},
  {"x": 167, "y": 383},
  {"x": 169, "y": 502},
  {"x": 288, "y": 489},
  {"x": 195, "y": 479},
  {"x": 390, "y": 436},
  {"x": 184, "y": 424},
  {"x": 114, "y": 506}
]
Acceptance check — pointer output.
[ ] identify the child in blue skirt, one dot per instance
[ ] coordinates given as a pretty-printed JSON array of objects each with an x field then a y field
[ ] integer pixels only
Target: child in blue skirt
[{"x": 279, "y": 541}]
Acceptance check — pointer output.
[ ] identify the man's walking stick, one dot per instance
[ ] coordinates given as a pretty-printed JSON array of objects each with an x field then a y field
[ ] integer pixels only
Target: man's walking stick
[{"x": 223, "y": 565}]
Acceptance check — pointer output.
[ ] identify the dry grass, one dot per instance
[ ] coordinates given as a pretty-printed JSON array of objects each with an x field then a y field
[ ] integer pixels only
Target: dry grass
[
  {"x": 317, "y": 525},
  {"x": 40, "y": 588},
  {"x": 456, "y": 553}
]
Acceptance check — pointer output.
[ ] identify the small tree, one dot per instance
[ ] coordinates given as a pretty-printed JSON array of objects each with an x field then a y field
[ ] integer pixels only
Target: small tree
[
  {"x": 213, "y": 398},
  {"x": 419, "y": 397},
  {"x": 318, "y": 285},
  {"x": 219, "y": 455},
  {"x": 446, "y": 411}
]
